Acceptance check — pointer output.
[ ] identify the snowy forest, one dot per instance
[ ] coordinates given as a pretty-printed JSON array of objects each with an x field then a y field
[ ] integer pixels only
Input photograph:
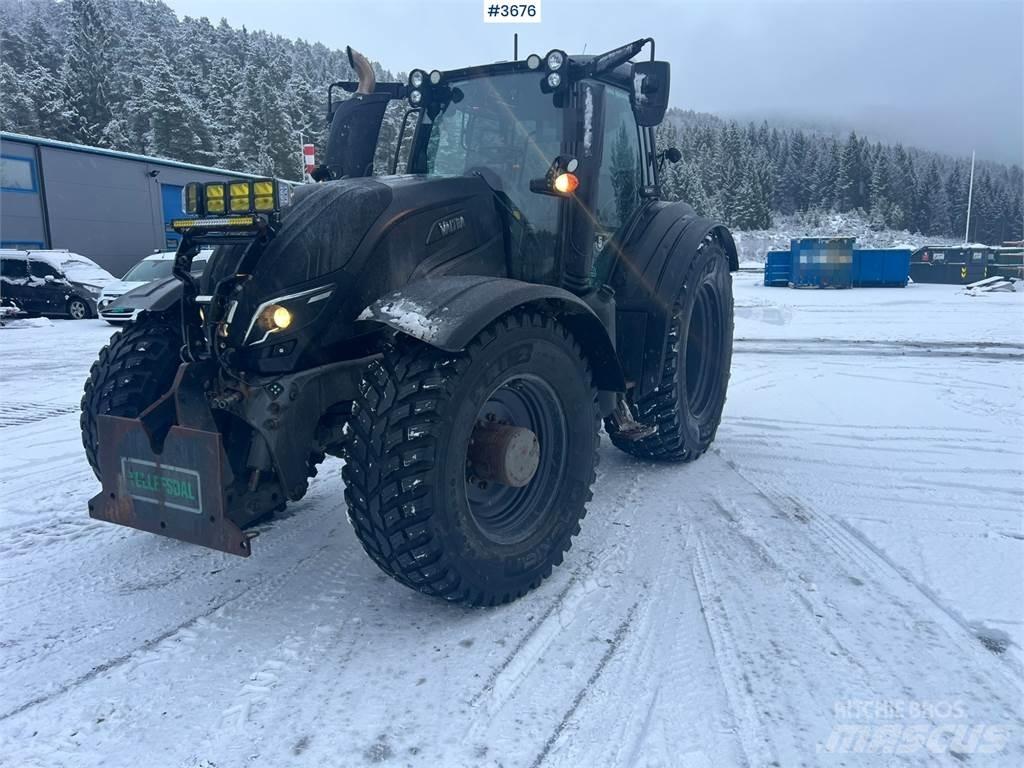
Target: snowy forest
[{"x": 130, "y": 75}]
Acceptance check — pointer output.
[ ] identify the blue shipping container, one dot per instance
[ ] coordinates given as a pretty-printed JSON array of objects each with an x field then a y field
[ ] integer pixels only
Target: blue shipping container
[
  {"x": 777, "y": 268},
  {"x": 822, "y": 262},
  {"x": 881, "y": 267}
]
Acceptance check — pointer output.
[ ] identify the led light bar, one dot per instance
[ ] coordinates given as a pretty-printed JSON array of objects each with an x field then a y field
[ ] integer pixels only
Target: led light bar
[{"x": 225, "y": 221}]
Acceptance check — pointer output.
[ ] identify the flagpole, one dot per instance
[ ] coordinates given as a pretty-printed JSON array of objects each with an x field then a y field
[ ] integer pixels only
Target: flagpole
[{"x": 970, "y": 193}]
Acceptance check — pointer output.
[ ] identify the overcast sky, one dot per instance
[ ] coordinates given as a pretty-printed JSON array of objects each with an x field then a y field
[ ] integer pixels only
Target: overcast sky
[{"x": 940, "y": 75}]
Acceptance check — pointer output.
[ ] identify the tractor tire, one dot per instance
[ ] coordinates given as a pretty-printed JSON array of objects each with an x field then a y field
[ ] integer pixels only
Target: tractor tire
[
  {"x": 687, "y": 404},
  {"x": 414, "y": 497},
  {"x": 130, "y": 374}
]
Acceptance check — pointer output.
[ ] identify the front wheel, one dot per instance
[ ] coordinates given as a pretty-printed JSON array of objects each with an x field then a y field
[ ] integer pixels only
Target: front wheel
[
  {"x": 686, "y": 407},
  {"x": 131, "y": 373},
  {"x": 78, "y": 309},
  {"x": 467, "y": 475}
]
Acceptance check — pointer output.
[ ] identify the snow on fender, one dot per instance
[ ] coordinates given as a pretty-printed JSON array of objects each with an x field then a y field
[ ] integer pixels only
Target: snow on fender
[{"x": 405, "y": 315}]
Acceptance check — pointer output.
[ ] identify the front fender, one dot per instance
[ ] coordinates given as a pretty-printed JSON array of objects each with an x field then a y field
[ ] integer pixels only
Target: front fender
[
  {"x": 157, "y": 296},
  {"x": 447, "y": 312}
]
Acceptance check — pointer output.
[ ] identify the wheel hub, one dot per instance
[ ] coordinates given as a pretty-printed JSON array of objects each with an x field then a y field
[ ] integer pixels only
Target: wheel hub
[
  {"x": 509, "y": 484},
  {"x": 499, "y": 453}
]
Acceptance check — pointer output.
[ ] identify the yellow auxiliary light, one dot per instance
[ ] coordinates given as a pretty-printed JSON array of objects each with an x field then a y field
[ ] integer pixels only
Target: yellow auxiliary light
[
  {"x": 240, "y": 193},
  {"x": 215, "y": 194},
  {"x": 263, "y": 195},
  {"x": 190, "y": 198}
]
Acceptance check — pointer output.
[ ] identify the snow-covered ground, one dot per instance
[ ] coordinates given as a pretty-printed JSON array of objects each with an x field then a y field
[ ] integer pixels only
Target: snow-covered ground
[{"x": 839, "y": 582}]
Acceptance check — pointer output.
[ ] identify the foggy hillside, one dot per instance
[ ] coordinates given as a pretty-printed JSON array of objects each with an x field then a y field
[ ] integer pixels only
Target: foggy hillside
[{"x": 129, "y": 75}]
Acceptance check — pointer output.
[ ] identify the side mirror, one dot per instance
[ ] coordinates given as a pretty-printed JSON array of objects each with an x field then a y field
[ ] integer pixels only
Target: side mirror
[
  {"x": 649, "y": 99},
  {"x": 671, "y": 154}
]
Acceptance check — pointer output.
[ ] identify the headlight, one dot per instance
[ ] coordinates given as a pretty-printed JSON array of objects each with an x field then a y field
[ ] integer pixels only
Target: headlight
[
  {"x": 415, "y": 97},
  {"x": 435, "y": 77},
  {"x": 554, "y": 80},
  {"x": 555, "y": 60},
  {"x": 277, "y": 317},
  {"x": 533, "y": 61},
  {"x": 287, "y": 313},
  {"x": 416, "y": 78}
]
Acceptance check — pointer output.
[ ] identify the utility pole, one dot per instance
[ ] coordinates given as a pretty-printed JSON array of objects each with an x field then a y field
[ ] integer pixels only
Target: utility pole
[{"x": 970, "y": 193}]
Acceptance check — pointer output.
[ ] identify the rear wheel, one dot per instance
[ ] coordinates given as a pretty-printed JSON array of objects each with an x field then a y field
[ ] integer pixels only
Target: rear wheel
[
  {"x": 467, "y": 475},
  {"x": 130, "y": 374},
  {"x": 687, "y": 405}
]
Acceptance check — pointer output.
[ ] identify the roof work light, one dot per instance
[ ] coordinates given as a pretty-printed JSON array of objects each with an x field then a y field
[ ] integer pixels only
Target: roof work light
[{"x": 230, "y": 204}]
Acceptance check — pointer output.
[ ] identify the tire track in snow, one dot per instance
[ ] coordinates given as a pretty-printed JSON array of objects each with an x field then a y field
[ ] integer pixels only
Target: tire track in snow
[
  {"x": 613, "y": 646},
  {"x": 991, "y": 351},
  {"x": 13, "y": 414},
  {"x": 254, "y": 594},
  {"x": 780, "y": 610},
  {"x": 162, "y": 563},
  {"x": 676, "y": 715},
  {"x": 563, "y": 611},
  {"x": 854, "y": 547}
]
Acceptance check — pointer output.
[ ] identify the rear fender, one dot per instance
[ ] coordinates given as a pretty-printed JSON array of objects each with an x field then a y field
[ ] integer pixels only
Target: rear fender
[
  {"x": 447, "y": 312},
  {"x": 649, "y": 276}
]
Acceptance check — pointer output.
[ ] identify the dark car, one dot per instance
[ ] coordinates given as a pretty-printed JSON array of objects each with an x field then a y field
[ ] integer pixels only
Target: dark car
[{"x": 52, "y": 283}]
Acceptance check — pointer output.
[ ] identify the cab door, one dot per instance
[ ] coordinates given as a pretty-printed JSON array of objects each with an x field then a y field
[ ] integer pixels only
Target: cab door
[
  {"x": 49, "y": 288},
  {"x": 619, "y": 181}
]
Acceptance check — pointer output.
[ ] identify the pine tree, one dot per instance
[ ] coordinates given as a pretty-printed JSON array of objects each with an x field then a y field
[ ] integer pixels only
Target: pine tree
[
  {"x": 687, "y": 187},
  {"x": 823, "y": 182},
  {"x": 936, "y": 202},
  {"x": 956, "y": 194},
  {"x": 623, "y": 172},
  {"x": 84, "y": 77},
  {"x": 848, "y": 176},
  {"x": 881, "y": 205}
]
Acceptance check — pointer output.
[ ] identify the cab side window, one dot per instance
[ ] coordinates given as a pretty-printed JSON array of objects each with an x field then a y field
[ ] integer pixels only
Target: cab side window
[
  {"x": 619, "y": 181},
  {"x": 42, "y": 270},
  {"x": 13, "y": 268}
]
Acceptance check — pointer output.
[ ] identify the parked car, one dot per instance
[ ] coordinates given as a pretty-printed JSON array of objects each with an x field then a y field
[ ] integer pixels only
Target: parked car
[
  {"x": 158, "y": 266},
  {"x": 52, "y": 283}
]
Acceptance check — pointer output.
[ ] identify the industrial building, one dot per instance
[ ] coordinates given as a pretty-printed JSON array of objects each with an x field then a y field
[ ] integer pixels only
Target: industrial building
[{"x": 113, "y": 207}]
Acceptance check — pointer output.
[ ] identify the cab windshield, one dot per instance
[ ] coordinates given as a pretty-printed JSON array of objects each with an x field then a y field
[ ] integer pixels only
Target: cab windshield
[{"x": 506, "y": 130}]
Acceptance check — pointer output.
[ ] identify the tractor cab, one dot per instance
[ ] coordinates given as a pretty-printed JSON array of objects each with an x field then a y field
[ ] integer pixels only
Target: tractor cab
[{"x": 566, "y": 145}]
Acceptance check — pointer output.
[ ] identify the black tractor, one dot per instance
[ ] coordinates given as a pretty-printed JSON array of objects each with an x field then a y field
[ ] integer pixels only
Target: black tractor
[{"x": 457, "y": 333}]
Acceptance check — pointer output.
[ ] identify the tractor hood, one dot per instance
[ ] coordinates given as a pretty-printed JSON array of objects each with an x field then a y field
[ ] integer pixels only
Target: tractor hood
[{"x": 349, "y": 242}]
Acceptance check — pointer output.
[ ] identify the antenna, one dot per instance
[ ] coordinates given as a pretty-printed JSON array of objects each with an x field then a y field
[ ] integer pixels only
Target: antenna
[{"x": 515, "y": 47}]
